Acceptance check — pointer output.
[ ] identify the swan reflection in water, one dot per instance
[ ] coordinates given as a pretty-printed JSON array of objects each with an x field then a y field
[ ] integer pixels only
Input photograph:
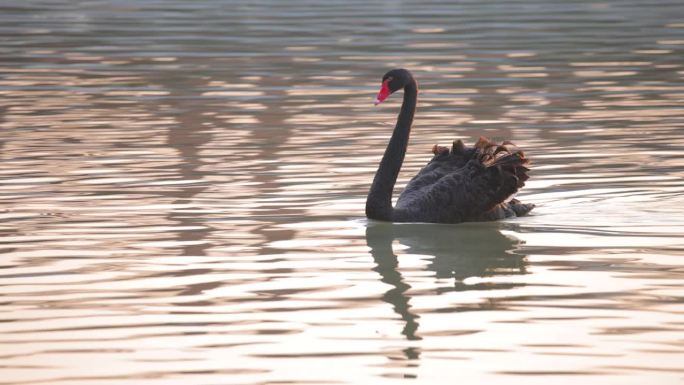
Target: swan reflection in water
[{"x": 456, "y": 251}]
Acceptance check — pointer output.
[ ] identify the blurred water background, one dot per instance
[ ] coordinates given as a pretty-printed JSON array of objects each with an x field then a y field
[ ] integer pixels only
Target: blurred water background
[{"x": 183, "y": 185}]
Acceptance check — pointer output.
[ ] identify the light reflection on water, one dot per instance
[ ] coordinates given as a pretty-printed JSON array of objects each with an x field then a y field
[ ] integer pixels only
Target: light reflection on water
[{"x": 183, "y": 191}]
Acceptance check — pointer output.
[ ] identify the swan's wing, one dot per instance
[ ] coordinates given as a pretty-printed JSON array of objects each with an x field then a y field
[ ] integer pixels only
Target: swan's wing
[
  {"x": 444, "y": 162},
  {"x": 492, "y": 175},
  {"x": 488, "y": 180}
]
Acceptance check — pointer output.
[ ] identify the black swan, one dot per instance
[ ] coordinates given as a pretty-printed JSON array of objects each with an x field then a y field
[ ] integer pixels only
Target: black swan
[{"x": 458, "y": 185}]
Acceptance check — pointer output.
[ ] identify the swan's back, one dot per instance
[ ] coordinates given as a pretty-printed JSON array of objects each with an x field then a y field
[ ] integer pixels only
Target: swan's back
[
  {"x": 466, "y": 184},
  {"x": 444, "y": 162}
]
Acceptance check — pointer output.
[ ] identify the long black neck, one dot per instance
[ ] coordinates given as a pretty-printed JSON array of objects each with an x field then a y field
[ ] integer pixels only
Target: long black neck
[{"x": 379, "y": 201}]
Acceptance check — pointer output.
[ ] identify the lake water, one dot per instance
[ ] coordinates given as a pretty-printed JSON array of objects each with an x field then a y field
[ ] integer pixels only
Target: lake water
[{"x": 183, "y": 188}]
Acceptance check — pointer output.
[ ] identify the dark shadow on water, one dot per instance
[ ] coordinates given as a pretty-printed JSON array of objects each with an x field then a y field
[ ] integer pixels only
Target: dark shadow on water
[{"x": 455, "y": 251}]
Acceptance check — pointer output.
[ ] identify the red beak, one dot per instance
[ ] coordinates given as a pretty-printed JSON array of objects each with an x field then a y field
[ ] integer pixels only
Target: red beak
[{"x": 384, "y": 93}]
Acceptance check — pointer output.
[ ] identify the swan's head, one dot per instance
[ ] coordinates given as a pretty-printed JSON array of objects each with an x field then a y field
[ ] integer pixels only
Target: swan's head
[{"x": 392, "y": 81}]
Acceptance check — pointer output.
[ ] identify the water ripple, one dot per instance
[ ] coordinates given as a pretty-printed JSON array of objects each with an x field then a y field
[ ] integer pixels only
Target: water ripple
[{"x": 184, "y": 184}]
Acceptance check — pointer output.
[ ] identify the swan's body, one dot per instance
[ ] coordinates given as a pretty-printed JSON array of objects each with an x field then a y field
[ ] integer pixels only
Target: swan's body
[{"x": 459, "y": 184}]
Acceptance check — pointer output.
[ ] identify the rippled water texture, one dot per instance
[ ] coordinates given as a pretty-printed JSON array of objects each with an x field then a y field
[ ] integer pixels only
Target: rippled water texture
[{"x": 183, "y": 185}]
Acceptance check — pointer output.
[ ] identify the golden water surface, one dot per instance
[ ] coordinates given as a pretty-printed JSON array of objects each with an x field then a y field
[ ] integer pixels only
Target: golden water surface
[{"x": 183, "y": 185}]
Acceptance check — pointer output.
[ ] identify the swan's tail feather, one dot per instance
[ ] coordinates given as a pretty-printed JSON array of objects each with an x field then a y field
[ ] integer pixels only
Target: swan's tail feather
[
  {"x": 502, "y": 172},
  {"x": 506, "y": 158},
  {"x": 521, "y": 209}
]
